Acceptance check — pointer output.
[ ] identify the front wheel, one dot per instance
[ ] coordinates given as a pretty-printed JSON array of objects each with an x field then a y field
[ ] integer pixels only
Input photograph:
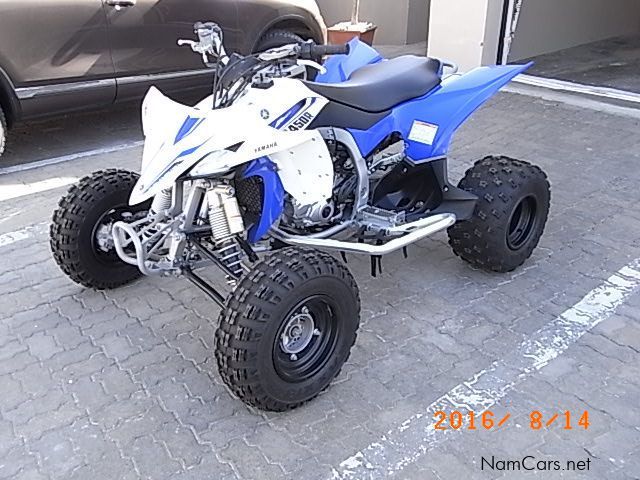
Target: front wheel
[
  {"x": 287, "y": 329},
  {"x": 80, "y": 233},
  {"x": 513, "y": 206}
]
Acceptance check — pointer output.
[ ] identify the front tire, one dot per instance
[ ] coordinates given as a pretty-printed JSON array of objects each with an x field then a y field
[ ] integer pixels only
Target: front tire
[
  {"x": 513, "y": 206},
  {"x": 80, "y": 233},
  {"x": 287, "y": 329}
]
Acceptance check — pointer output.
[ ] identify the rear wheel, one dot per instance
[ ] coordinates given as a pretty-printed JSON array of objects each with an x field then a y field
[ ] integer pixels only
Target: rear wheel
[
  {"x": 80, "y": 233},
  {"x": 287, "y": 329},
  {"x": 513, "y": 206}
]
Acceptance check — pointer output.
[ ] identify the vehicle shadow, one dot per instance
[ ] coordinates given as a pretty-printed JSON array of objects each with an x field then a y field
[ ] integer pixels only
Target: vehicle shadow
[
  {"x": 76, "y": 133},
  {"x": 70, "y": 134}
]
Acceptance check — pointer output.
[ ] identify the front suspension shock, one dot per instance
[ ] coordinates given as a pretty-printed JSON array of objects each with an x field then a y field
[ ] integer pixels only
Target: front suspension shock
[{"x": 226, "y": 222}]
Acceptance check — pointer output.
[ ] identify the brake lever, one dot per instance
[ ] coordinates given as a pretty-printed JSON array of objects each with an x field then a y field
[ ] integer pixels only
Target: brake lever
[
  {"x": 196, "y": 47},
  {"x": 279, "y": 53},
  {"x": 183, "y": 42}
]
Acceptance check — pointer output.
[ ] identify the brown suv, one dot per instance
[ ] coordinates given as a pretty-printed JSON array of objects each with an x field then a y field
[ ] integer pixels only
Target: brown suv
[{"x": 68, "y": 55}]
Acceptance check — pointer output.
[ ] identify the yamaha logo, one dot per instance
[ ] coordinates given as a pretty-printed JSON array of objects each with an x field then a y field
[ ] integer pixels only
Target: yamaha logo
[{"x": 266, "y": 147}]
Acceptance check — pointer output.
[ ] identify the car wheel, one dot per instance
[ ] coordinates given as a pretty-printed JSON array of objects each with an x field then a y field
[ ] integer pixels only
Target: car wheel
[
  {"x": 3, "y": 131},
  {"x": 277, "y": 38}
]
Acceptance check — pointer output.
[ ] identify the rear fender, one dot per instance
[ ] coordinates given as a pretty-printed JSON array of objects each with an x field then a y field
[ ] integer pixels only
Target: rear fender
[
  {"x": 449, "y": 107},
  {"x": 428, "y": 123}
]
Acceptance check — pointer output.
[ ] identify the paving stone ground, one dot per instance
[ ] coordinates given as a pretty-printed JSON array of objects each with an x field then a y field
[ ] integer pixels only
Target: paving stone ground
[{"x": 123, "y": 384}]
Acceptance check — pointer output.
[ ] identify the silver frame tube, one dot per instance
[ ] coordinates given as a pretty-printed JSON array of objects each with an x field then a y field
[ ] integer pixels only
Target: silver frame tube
[{"x": 416, "y": 231}]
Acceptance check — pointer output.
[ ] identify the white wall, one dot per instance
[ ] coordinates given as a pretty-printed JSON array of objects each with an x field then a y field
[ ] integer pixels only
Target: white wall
[
  {"x": 550, "y": 25},
  {"x": 465, "y": 31}
]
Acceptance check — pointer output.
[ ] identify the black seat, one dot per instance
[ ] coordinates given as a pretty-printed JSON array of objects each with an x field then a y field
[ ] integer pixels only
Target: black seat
[{"x": 382, "y": 86}]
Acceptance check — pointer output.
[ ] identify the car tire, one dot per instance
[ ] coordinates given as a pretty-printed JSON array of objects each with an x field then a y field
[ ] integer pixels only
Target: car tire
[
  {"x": 512, "y": 211},
  {"x": 287, "y": 329},
  {"x": 3, "y": 131},
  {"x": 277, "y": 38},
  {"x": 89, "y": 204}
]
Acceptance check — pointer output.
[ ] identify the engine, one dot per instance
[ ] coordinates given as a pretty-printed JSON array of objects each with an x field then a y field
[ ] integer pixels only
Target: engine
[
  {"x": 334, "y": 210},
  {"x": 304, "y": 216}
]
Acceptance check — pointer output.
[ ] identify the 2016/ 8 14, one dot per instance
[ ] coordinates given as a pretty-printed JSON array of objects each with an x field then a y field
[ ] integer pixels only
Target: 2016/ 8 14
[{"x": 488, "y": 420}]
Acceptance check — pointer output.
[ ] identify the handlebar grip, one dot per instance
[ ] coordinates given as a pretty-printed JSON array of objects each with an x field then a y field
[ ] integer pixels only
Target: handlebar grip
[{"x": 324, "y": 50}]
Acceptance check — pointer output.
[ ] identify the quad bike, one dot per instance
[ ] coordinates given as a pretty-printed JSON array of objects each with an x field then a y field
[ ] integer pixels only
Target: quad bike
[{"x": 271, "y": 171}]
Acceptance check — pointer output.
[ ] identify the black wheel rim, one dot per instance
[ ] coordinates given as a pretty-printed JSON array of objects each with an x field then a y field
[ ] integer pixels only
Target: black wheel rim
[
  {"x": 296, "y": 362},
  {"x": 103, "y": 252},
  {"x": 522, "y": 223}
]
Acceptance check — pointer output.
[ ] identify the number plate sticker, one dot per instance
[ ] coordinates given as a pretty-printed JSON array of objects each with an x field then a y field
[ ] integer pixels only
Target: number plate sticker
[{"x": 423, "y": 132}]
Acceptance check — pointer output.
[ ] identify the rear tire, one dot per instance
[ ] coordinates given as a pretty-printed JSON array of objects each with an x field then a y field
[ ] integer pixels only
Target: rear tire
[
  {"x": 3, "y": 131},
  {"x": 287, "y": 329},
  {"x": 513, "y": 206},
  {"x": 88, "y": 205}
]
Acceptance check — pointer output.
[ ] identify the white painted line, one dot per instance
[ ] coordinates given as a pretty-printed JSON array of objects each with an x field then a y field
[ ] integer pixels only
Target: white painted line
[
  {"x": 562, "y": 85},
  {"x": 416, "y": 436},
  {"x": 573, "y": 100},
  {"x": 68, "y": 158},
  {"x": 10, "y": 238},
  {"x": 17, "y": 190}
]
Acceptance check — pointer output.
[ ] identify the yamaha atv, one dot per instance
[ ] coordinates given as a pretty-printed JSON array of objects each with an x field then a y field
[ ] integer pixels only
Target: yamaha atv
[{"x": 272, "y": 173}]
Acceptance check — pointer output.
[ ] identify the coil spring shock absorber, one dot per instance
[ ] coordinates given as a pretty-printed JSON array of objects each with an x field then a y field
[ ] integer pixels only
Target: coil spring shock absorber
[
  {"x": 226, "y": 221},
  {"x": 162, "y": 201}
]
